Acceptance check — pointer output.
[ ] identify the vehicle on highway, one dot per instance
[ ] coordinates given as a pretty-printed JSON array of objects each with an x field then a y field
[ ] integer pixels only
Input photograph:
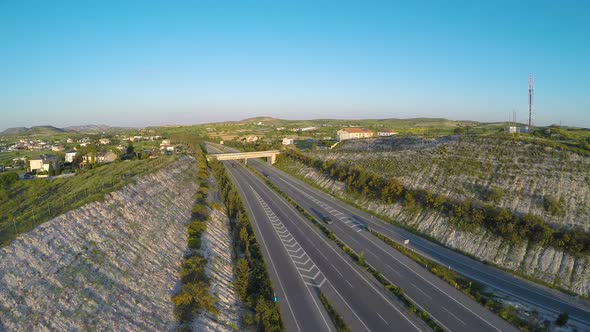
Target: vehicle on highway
[{"x": 327, "y": 220}]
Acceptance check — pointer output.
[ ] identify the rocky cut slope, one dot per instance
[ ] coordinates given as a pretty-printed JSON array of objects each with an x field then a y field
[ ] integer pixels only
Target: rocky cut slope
[
  {"x": 109, "y": 265},
  {"x": 526, "y": 178},
  {"x": 571, "y": 272}
]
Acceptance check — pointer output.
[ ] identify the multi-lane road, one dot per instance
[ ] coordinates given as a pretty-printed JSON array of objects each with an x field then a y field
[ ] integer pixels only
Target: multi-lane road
[
  {"x": 451, "y": 309},
  {"x": 302, "y": 262},
  {"x": 535, "y": 295}
]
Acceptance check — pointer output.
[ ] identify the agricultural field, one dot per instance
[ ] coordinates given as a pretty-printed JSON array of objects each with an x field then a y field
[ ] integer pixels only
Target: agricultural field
[{"x": 520, "y": 175}]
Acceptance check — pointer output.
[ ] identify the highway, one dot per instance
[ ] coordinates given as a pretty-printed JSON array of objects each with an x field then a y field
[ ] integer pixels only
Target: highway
[
  {"x": 302, "y": 262},
  {"x": 321, "y": 203},
  {"x": 452, "y": 309}
]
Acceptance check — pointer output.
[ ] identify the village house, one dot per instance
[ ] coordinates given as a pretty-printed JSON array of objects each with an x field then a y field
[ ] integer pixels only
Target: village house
[
  {"x": 166, "y": 146},
  {"x": 57, "y": 148},
  {"x": 288, "y": 141},
  {"x": 104, "y": 141},
  {"x": 106, "y": 157},
  {"x": 43, "y": 162},
  {"x": 70, "y": 155},
  {"x": 351, "y": 133},
  {"x": 386, "y": 132}
]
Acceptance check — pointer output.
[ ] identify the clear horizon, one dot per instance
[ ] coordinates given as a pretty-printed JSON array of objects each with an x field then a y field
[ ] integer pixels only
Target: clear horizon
[{"x": 130, "y": 64}]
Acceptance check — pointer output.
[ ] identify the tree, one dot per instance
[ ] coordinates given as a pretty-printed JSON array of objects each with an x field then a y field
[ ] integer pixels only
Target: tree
[
  {"x": 242, "y": 278},
  {"x": 130, "y": 149},
  {"x": 562, "y": 319},
  {"x": 51, "y": 171}
]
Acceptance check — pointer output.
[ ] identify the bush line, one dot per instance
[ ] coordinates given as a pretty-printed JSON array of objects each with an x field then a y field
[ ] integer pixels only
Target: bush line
[
  {"x": 252, "y": 282},
  {"x": 194, "y": 293}
]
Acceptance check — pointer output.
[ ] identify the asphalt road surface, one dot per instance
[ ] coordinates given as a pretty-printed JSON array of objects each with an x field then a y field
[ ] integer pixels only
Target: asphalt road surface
[{"x": 302, "y": 262}]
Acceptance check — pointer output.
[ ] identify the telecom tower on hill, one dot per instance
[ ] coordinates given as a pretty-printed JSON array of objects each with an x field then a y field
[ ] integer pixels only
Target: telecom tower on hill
[{"x": 531, "y": 90}]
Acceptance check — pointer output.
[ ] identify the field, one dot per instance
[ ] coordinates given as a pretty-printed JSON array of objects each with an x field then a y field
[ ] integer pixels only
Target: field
[
  {"x": 24, "y": 204},
  {"x": 519, "y": 175}
]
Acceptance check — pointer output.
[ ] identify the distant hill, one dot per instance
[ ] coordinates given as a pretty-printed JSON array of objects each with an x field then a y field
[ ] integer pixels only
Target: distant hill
[
  {"x": 50, "y": 130},
  {"x": 36, "y": 130},
  {"x": 89, "y": 128}
]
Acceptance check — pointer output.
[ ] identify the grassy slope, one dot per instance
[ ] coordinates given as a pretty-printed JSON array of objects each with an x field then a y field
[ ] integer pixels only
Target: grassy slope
[{"x": 26, "y": 204}]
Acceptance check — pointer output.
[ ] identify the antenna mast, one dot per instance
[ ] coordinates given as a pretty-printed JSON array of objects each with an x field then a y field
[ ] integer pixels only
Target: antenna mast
[{"x": 531, "y": 90}]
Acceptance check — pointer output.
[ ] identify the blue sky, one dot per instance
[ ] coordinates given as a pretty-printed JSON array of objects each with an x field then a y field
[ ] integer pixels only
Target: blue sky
[{"x": 136, "y": 63}]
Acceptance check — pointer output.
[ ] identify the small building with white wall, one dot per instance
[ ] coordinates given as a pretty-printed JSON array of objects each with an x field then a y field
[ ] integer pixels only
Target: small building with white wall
[{"x": 352, "y": 133}]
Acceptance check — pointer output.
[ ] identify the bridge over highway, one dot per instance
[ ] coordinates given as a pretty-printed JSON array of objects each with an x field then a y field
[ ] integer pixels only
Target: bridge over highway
[{"x": 271, "y": 155}]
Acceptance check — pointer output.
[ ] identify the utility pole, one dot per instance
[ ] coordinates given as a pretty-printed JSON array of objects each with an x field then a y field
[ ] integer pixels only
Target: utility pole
[{"x": 531, "y": 90}]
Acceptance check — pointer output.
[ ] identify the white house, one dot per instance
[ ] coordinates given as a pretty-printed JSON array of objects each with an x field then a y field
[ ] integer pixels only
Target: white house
[
  {"x": 104, "y": 141},
  {"x": 288, "y": 141},
  {"x": 386, "y": 132},
  {"x": 351, "y": 133},
  {"x": 70, "y": 155},
  {"x": 42, "y": 163}
]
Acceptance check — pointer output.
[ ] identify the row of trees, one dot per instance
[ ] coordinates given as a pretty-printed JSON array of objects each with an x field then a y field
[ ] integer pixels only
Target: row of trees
[
  {"x": 465, "y": 214},
  {"x": 194, "y": 294},
  {"x": 252, "y": 283}
]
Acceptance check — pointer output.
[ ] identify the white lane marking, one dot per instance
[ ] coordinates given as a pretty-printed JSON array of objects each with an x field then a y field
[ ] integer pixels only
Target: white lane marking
[
  {"x": 372, "y": 253},
  {"x": 383, "y": 319},
  {"x": 421, "y": 291},
  {"x": 348, "y": 282},
  {"x": 294, "y": 249},
  {"x": 457, "y": 318},
  {"x": 337, "y": 270},
  {"x": 394, "y": 271}
]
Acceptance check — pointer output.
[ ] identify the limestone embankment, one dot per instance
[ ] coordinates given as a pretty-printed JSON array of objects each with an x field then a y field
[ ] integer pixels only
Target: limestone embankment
[{"x": 109, "y": 265}]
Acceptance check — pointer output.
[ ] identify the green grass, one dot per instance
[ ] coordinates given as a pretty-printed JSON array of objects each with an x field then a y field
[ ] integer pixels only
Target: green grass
[{"x": 26, "y": 204}]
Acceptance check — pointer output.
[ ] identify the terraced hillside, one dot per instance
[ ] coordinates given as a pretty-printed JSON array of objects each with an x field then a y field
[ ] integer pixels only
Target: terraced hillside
[
  {"x": 523, "y": 177},
  {"x": 108, "y": 265}
]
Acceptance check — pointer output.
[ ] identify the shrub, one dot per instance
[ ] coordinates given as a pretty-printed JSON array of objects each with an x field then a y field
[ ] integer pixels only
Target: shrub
[{"x": 554, "y": 206}]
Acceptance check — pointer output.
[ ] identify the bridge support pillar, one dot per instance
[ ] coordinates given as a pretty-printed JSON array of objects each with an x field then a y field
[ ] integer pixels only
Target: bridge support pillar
[
  {"x": 245, "y": 161},
  {"x": 272, "y": 159}
]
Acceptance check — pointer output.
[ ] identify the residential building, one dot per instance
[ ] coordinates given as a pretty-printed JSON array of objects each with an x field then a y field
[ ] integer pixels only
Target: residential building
[
  {"x": 57, "y": 148},
  {"x": 309, "y": 129},
  {"x": 288, "y": 141},
  {"x": 351, "y": 133},
  {"x": 386, "y": 132},
  {"x": 167, "y": 146},
  {"x": 43, "y": 162},
  {"x": 104, "y": 141},
  {"x": 106, "y": 157},
  {"x": 251, "y": 138},
  {"x": 70, "y": 155}
]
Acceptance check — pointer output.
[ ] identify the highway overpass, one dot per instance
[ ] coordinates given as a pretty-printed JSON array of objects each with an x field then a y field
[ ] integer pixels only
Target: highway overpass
[{"x": 271, "y": 155}]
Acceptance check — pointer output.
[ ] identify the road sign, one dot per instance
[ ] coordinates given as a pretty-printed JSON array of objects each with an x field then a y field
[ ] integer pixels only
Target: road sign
[{"x": 275, "y": 299}]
